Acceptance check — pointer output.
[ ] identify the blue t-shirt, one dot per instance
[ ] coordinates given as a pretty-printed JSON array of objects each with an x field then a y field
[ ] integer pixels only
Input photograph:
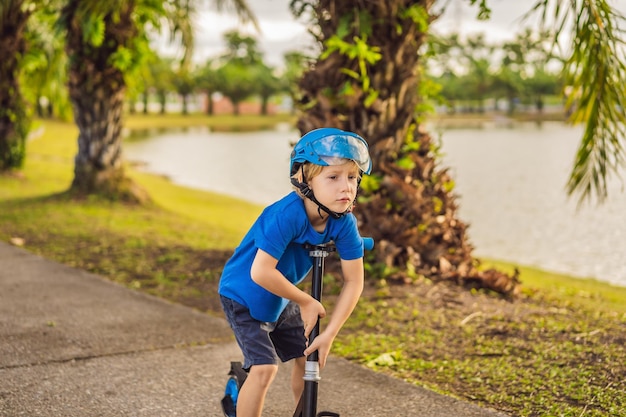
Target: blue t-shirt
[{"x": 281, "y": 230}]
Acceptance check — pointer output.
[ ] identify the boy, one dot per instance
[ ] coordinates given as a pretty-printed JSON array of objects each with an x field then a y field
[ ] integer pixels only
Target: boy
[{"x": 270, "y": 316}]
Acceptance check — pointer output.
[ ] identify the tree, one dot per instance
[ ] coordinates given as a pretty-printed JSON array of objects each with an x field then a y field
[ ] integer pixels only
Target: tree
[
  {"x": 184, "y": 83},
  {"x": 295, "y": 65},
  {"x": 368, "y": 79},
  {"x": 509, "y": 82},
  {"x": 451, "y": 90},
  {"x": 472, "y": 69},
  {"x": 14, "y": 120},
  {"x": 139, "y": 80},
  {"x": 105, "y": 40},
  {"x": 530, "y": 55},
  {"x": 206, "y": 80},
  {"x": 162, "y": 76},
  {"x": 236, "y": 81},
  {"x": 478, "y": 54},
  {"x": 237, "y": 77},
  {"x": 44, "y": 65},
  {"x": 542, "y": 83},
  {"x": 442, "y": 66},
  {"x": 267, "y": 84},
  {"x": 241, "y": 48},
  {"x": 472, "y": 59}
]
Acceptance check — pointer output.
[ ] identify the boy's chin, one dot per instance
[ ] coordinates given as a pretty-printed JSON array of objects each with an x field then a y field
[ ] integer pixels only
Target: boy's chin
[{"x": 341, "y": 208}]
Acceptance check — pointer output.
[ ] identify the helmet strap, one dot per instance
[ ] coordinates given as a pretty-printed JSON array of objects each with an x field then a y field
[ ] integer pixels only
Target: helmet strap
[{"x": 308, "y": 193}]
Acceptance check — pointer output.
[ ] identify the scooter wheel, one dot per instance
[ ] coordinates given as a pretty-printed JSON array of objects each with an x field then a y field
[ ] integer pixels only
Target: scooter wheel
[
  {"x": 232, "y": 388},
  {"x": 237, "y": 377},
  {"x": 231, "y": 393}
]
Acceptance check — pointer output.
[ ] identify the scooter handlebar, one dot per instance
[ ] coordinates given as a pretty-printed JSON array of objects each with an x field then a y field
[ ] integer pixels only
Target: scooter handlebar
[{"x": 368, "y": 243}]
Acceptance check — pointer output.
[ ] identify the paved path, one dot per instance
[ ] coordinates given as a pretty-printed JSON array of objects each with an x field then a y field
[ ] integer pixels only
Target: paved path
[{"x": 75, "y": 344}]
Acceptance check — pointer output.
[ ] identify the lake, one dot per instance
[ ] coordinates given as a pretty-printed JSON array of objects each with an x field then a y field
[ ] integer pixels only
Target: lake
[{"x": 510, "y": 182}]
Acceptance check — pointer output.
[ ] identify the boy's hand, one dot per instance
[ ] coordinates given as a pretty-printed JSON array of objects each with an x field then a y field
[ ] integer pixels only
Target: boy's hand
[
  {"x": 322, "y": 344},
  {"x": 310, "y": 312}
]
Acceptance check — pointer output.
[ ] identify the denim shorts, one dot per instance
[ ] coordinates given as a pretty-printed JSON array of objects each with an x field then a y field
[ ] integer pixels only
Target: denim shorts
[{"x": 264, "y": 343}]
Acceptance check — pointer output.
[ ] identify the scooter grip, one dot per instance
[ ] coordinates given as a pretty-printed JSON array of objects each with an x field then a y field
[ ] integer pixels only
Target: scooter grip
[{"x": 368, "y": 243}]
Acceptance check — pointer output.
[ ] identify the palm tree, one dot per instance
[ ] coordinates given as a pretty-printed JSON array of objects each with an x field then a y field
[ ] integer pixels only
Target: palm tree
[
  {"x": 368, "y": 79},
  {"x": 206, "y": 79},
  {"x": 595, "y": 76},
  {"x": 162, "y": 80},
  {"x": 236, "y": 81},
  {"x": 44, "y": 75},
  {"x": 184, "y": 83},
  {"x": 238, "y": 76},
  {"x": 509, "y": 83},
  {"x": 14, "y": 121},
  {"x": 268, "y": 85},
  {"x": 105, "y": 40}
]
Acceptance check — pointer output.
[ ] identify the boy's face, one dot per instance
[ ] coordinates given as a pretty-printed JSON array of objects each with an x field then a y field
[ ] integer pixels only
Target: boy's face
[{"x": 336, "y": 186}]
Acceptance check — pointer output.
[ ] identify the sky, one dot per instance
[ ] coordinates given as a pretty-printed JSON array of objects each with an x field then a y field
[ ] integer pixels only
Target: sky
[{"x": 280, "y": 32}]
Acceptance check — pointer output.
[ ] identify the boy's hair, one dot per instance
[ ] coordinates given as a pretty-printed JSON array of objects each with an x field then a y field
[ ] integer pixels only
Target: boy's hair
[{"x": 311, "y": 171}]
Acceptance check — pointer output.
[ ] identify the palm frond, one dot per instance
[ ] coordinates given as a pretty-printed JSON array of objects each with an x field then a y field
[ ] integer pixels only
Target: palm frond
[
  {"x": 594, "y": 76},
  {"x": 241, "y": 9}
]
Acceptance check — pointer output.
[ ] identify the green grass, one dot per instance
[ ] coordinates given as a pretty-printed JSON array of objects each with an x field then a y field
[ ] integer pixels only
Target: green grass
[
  {"x": 558, "y": 350},
  {"x": 150, "y": 122},
  {"x": 587, "y": 293}
]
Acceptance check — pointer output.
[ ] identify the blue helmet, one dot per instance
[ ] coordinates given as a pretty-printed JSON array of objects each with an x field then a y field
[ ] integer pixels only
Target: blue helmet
[{"x": 330, "y": 146}]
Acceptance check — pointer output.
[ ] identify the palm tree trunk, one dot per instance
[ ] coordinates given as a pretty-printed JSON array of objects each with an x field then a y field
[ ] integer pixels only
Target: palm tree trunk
[
  {"x": 145, "y": 100},
  {"x": 13, "y": 118},
  {"x": 98, "y": 115},
  {"x": 185, "y": 100},
  {"x": 97, "y": 91},
  {"x": 411, "y": 211},
  {"x": 162, "y": 94},
  {"x": 264, "y": 105},
  {"x": 209, "y": 103}
]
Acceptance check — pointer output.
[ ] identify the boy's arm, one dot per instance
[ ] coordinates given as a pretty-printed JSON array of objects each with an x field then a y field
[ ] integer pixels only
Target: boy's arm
[
  {"x": 353, "y": 276},
  {"x": 265, "y": 274}
]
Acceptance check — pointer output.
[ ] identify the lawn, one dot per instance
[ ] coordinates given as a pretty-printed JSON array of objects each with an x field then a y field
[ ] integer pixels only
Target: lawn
[{"x": 557, "y": 350}]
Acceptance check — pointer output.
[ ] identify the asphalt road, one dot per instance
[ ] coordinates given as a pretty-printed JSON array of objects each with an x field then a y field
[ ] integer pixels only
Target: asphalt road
[{"x": 75, "y": 344}]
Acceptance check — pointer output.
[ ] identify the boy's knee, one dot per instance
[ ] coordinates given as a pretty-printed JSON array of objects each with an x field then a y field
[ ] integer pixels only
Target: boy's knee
[
  {"x": 264, "y": 374},
  {"x": 299, "y": 363}
]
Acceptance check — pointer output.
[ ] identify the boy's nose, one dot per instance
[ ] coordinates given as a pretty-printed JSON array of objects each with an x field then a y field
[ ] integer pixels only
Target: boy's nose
[{"x": 346, "y": 183}]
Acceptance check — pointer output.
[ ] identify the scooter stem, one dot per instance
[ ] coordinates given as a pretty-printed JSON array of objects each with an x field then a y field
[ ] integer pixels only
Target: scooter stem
[
  {"x": 312, "y": 368},
  {"x": 307, "y": 407}
]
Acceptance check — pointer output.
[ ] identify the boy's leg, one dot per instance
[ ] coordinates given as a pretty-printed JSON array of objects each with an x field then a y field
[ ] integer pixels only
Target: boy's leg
[
  {"x": 252, "y": 395},
  {"x": 259, "y": 357},
  {"x": 290, "y": 343},
  {"x": 297, "y": 378}
]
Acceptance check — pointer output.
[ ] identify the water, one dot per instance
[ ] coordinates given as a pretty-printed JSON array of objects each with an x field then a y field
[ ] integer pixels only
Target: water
[
  {"x": 510, "y": 182},
  {"x": 253, "y": 166}
]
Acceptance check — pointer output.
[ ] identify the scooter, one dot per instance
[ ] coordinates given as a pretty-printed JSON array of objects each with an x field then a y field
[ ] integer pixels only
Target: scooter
[{"x": 307, "y": 406}]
